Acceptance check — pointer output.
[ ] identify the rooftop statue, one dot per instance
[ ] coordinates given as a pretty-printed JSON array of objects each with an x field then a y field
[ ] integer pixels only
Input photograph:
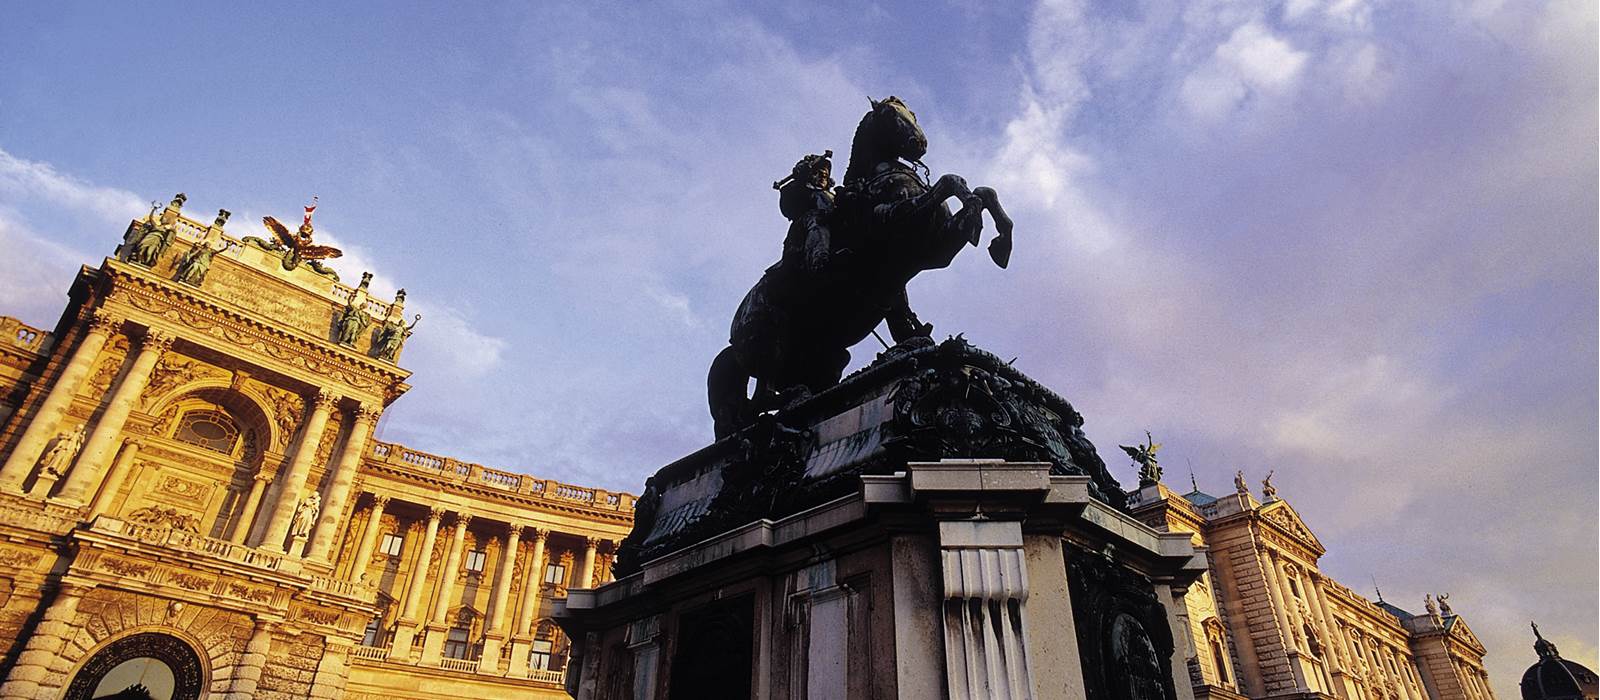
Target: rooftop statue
[
  {"x": 297, "y": 246},
  {"x": 194, "y": 265},
  {"x": 847, "y": 258},
  {"x": 1145, "y": 456},
  {"x": 149, "y": 239}
]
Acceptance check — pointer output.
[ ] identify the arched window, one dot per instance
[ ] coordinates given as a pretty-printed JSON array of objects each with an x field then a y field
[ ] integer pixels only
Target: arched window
[{"x": 211, "y": 430}]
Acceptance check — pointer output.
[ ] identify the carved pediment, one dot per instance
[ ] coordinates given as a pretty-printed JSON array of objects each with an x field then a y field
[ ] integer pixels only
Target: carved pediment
[
  {"x": 1279, "y": 513},
  {"x": 1461, "y": 633}
]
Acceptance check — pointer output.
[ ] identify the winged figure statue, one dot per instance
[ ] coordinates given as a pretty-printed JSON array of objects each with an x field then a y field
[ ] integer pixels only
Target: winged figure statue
[
  {"x": 297, "y": 245},
  {"x": 1145, "y": 456}
]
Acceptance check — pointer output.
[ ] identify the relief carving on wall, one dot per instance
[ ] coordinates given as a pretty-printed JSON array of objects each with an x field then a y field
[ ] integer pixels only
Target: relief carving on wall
[
  {"x": 18, "y": 559},
  {"x": 287, "y": 349},
  {"x": 286, "y": 411},
  {"x": 172, "y": 372},
  {"x": 126, "y": 567},
  {"x": 191, "y": 582},
  {"x": 157, "y": 516},
  {"x": 250, "y": 593},
  {"x": 177, "y": 488},
  {"x": 116, "y": 351},
  {"x": 319, "y": 616}
]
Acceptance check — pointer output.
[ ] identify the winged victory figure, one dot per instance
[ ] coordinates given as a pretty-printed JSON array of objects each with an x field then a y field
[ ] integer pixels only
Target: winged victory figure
[{"x": 298, "y": 246}]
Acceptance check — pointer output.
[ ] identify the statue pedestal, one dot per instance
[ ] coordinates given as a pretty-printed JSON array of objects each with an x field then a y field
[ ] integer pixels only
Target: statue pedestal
[
  {"x": 937, "y": 525},
  {"x": 297, "y": 546},
  {"x": 44, "y": 484}
]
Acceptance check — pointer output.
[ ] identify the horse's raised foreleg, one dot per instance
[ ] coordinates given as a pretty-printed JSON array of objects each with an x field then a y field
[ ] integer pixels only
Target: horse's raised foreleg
[{"x": 1000, "y": 247}]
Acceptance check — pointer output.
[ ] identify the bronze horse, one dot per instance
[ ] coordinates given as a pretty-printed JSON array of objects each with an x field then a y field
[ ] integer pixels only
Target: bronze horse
[{"x": 793, "y": 331}]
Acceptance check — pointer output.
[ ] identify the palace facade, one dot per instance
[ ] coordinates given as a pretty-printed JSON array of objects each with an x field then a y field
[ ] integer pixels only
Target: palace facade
[
  {"x": 192, "y": 503},
  {"x": 1265, "y": 622}
]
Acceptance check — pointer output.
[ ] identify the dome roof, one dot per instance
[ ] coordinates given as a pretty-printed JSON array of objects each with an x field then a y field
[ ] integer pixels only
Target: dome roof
[{"x": 1555, "y": 678}]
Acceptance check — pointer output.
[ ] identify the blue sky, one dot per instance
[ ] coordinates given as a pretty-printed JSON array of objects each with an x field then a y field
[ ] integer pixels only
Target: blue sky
[{"x": 1351, "y": 241}]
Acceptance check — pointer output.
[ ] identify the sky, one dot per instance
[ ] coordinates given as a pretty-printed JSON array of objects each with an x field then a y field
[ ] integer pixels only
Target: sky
[{"x": 1350, "y": 242}]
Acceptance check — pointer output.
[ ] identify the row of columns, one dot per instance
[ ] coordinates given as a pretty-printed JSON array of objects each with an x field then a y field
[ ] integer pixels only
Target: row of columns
[
  {"x": 499, "y": 630},
  {"x": 88, "y": 481},
  {"x": 92, "y": 456}
]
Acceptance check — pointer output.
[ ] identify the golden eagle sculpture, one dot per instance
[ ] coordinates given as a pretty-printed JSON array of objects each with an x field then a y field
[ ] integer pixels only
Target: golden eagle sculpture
[{"x": 297, "y": 246}]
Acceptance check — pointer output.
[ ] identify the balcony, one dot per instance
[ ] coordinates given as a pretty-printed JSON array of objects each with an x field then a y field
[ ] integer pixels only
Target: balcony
[
  {"x": 199, "y": 548},
  {"x": 466, "y": 473},
  {"x": 378, "y": 657}
]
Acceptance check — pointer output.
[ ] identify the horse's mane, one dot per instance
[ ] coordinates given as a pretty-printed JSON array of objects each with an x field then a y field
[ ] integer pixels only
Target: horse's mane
[{"x": 861, "y": 160}]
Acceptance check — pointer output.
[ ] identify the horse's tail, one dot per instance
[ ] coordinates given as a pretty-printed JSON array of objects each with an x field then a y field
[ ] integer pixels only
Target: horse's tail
[{"x": 726, "y": 392}]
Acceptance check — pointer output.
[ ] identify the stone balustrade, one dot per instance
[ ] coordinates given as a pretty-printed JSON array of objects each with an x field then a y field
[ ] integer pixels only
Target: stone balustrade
[
  {"x": 380, "y": 656},
  {"x": 193, "y": 543},
  {"x": 462, "y": 665},
  {"x": 363, "y": 651},
  {"x": 557, "y": 677},
  {"x": 511, "y": 482}
]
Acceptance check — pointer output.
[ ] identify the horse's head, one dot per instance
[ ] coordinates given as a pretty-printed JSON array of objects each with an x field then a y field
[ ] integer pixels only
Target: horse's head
[
  {"x": 897, "y": 128},
  {"x": 888, "y": 132}
]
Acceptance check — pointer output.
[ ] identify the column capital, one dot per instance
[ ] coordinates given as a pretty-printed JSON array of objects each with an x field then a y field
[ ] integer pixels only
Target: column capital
[
  {"x": 134, "y": 442},
  {"x": 380, "y": 501},
  {"x": 324, "y": 399},
  {"x": 264, "y": 477},
  {"x": 157, "y": 340},
  {"x": 463, "y": 521},
  {"x": 104, "y": 321},
  {"x": 367, "y": 413},
  {"x": 435, "y": 514},
  {"x": 592, "y": 542},
  {"x": 537, "y": 534}
]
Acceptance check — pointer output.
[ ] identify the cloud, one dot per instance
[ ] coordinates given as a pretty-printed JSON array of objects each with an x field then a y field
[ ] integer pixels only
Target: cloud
[
  {"x": 1252, "y": 62},
  {"x": 24, "y": 179}
]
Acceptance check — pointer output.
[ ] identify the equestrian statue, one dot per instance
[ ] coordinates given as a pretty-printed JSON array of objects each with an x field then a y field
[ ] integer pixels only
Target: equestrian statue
[{"x": 848, "y": 255}]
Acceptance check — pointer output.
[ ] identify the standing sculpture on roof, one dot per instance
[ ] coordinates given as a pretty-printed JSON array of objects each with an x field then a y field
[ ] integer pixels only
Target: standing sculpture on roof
[
  {"x": 354, "y": 317},
  {"x": 847, "y": 259},
  {"x": 194, "y": 265},
  {"x": 150, "y": 238}
]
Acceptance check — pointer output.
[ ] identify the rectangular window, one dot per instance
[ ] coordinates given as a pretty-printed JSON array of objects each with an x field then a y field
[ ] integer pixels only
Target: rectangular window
[
  {"x": 555, "y": 573},
  {"x": 539, "y": 658},
  {"x": 475, "y": 561},
  {"x": 392, "y": 544},
  {"x": 373, "y": 637},
  {"x": 455, "y": 644}
]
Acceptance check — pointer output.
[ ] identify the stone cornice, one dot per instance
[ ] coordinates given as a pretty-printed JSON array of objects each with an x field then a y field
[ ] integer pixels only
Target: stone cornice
[{"x": 126, "y": 286}]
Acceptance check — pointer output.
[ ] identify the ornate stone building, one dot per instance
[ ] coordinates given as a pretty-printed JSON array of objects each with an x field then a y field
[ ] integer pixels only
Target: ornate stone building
[
  {"x": 191, "y": 498},
  {"x": 1264, "y": 621}
]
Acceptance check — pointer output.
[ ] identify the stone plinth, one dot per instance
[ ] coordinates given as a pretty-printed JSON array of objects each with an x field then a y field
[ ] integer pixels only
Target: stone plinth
[{"x": 937, "y": 525}]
